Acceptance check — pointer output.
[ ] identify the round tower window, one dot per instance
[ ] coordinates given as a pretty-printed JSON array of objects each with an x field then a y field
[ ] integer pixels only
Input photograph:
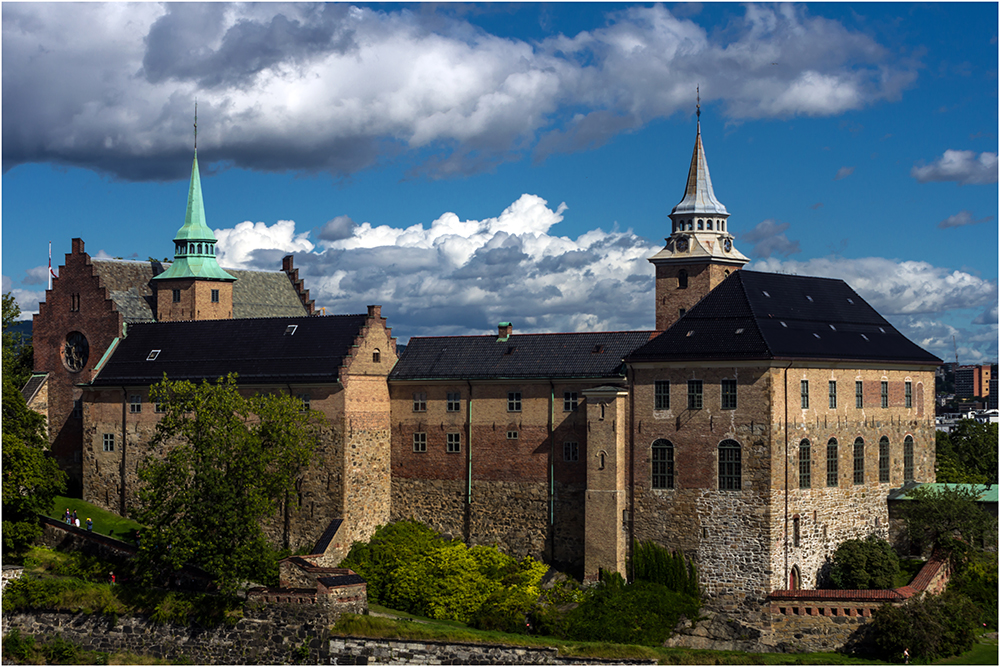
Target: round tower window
[{"x": 76, "y": 351}]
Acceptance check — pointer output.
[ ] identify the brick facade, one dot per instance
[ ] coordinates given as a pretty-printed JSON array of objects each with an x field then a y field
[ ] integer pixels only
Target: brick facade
[{"x": 674, "y": 295}]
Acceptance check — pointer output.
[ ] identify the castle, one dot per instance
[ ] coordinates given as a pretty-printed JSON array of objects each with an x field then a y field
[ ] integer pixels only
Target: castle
[{"x": 763, "y": 421}]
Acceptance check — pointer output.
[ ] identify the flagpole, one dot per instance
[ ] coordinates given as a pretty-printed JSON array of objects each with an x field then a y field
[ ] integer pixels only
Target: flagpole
[{"x": 50, "y": 265}]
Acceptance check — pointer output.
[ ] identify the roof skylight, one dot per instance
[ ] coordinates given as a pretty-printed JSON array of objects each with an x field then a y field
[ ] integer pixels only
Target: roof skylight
[{"x": 153, "y": 354}]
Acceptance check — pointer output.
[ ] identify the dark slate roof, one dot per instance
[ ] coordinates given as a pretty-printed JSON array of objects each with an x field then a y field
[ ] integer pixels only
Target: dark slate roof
[
  {"x": 326, "y": 539},
  {"x": 521, "y": 356},
  {"x": 754, "y": 315},
  {"x": 258, "y": 350},
  {"x": 255, "y": 293},
  {"x": 341, "y": 580},
  {"x": 34, "y": 384}
]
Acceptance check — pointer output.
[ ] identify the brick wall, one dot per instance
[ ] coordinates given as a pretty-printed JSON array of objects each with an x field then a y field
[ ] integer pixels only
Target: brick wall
[
  {"x": 77, "y": 303},
  {"x": 670, "y": 298},
  {"x": 195, "y": 302}
]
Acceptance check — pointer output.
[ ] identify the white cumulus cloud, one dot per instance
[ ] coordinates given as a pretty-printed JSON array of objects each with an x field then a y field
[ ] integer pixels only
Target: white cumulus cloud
[
  {"x": 236, "y": 247},
  {"x": 963, "y": 167}
]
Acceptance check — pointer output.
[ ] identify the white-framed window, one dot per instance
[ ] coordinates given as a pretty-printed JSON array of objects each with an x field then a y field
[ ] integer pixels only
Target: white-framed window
[
  {"x": 833, "y": 394},
  {"x": 695, "y": 394},
  {"x": 420, "y": 401},
  {"x": 908, "y": 389},
  {"x": 420, "y": 442},
  {"x": 804, "y": 386},
  {"x": 305, "y": 398},
  {"x": 109, "y": 442},
  {"x": 135, "y": 403},
  {"x": 570, "y": 402},
  {"x": 663, "y": 464},
  {"x": 454, "y": 403},
  {"x": 885, "y": 394},
  {"x": 571, "y": 451},
  {"x": 215, "y": 296},
  {"x": 513, "y": 401},
  {"x": 454, "y": 444},
  {"x": 512, "y": 435},
  {"x": 859, "y": 394},
  {"x": 159, "y": 408}
]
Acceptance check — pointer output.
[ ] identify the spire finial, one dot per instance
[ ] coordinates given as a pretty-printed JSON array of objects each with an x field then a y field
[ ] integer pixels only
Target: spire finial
[
  {"x": 697, "y": 92},
  {"x": 196, "y": 126}
]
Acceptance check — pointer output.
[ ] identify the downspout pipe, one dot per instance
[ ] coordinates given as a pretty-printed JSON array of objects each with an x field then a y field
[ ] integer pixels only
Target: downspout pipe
[
  {"x": 468, "y": 469},
  {"x": 631, "y": 475},
  {"x": 121, "y": 469},
  {"x": 785, "y": 583},
  {"x": 552, "y": 470}
]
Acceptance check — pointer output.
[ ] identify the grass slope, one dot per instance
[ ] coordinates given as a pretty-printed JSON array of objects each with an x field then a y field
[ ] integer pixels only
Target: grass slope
[{"x": 105, "y": 522}]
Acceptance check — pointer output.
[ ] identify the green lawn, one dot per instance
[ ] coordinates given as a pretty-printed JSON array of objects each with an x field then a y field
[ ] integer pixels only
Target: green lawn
[
  {"x": 105, "y": 522},
  {"x": 983, "y": 653}
]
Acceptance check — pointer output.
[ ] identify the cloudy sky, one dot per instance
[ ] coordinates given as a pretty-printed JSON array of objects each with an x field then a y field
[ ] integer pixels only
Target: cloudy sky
[{"x": 463, "y": 164}]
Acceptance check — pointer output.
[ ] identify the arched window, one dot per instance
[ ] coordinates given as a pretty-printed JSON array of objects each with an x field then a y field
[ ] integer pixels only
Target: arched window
[
  {"x": 682, "y": 279},
  {"x": 377, "y": 356},
  {"x": 690, "y": 225},
  {"x": 805, "y": 465},
  {"x": 859, "y": 461},
  {"x": 794, "y": 579},
  {"x": 701, "y": 224},
  {"x": 708, "y": 224},
  {"x": 883, "y": 459},
  {"x": 908, "y": 459},
  {"x": 663, "y": 464},
  {"x": 831, "y": 463},
  {"x": 730, "y": 466}
]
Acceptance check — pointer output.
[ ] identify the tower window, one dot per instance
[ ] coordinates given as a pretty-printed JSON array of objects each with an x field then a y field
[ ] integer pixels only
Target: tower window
[
  {"x": 805, "y": 394},
  {"x": 859, "y": 461},
  {"x": 908, "y": 459},
  {"x": 177, "y": 295},
  {"x": 215, "y": 296},
  {"x": 661, "y": 395},
  {"x": 682, "y": 279},
  {"x": 571, "y": 451},
  {"x": 730, "y": 466},
  {"x": 833, "y": 394},
  {"x": 729, "y": 394},
  {"x": 908, "y": 388},
  {"x": 859, "y": 394},
  {"x": 569, "y": 401},
  {"x": 883, "y": 459},
  {"x": 831, "y": 462},
  {"x": 805, "y": 465},
  {"x": 377, "y": 356},
  {"x": 701, "y": 224},
  {"x": 663, "y": 464},
  {"x": 708, "y": 224},
  {"x": 796, "y": 535},
  {"x": 695, "y": 394},
  {"x": 885, "y": 394}
]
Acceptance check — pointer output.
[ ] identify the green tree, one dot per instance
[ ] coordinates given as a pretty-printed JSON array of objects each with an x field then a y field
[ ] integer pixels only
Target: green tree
[
  {"x": 228, "y": 460},
  {"x": 967, "y": 455},
  {"x": 931, "y": 627},
  {"x": 31, "y": 478},
  {"x": 948, "y": 518},
  {"x": 18, "y": 355},
  {"x": 864, "y": 564}
]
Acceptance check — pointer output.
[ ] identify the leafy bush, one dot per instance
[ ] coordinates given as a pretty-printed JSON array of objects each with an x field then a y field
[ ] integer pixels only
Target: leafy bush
[
  {"x": 932, "y": 627},
  {"x": 410, "y": 567},
  {"x": 864, "y": 564},
  {"x": 661, "y": 566},
  {"x": 977, "y": 580},
  {"x": 642, "y": 612}
]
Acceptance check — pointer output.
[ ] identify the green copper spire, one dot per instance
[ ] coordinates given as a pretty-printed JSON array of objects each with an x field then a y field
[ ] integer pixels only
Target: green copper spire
[{"x": 194, "y": 244}]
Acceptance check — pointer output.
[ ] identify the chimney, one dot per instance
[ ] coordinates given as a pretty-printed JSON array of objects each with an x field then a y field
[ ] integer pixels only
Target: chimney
[
  {"x": 286, "y": 263},
  {"x": 375, "y": 312},
  {"x": 77, "y": 246},
  {"x": 506, "y": 331}
]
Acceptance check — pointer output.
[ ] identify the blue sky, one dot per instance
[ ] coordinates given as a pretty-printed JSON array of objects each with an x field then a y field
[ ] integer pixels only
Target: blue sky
[{"x": 464, "y": 164}]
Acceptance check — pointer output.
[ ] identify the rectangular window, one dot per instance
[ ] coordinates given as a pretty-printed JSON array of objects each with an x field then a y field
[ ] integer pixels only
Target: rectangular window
[
  {"x": 661, "y": 395},
  {"x": 885, "y": 394},
  {"x": 695, "y": 394},
  {"x": 159, "y": 408},
  {"x": 805, "y": 394},
  {"x": 420, "y": 401},
  {"x": 215, "y": 296},
  {"x": 859, "y": 461},
  {"x": 512, "y": 435},
  {"x": 663, "y": 465},
  {"x": 833, "y": 394},
  {"x": 859, "y": 394},
  {"x": 454, "y": 401},
  {"x": 908, "y": 388},
  {"x": 177, "y": 295},
  {"x": 796, "y": 531},
  {"x": 78, "y": 409},
  {"x": 569, "y": 401},
  {"x": 135, "y": 403},
  {"x": 109, "y": 442},
  {"x": 571, "y": 451},
  {"x": 454, "y": 443},
  {"x": 420, "y": 442},
  {"x": 513, "y": 401},
  {"x": 908, "y": 459},
  {"x": 729, "y": 394},
  {"x": 305, "y": 402}
]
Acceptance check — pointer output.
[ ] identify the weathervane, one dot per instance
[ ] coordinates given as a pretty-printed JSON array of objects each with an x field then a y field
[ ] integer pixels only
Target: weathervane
[
  {"x": 196, "y": 126},
  {"x": 697, "y": 91}
]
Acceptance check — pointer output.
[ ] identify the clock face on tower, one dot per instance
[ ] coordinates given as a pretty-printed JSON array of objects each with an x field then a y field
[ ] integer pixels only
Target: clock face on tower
[
  {"x": 728, "y": 244},
  {"x": 682, "y": 244}
]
